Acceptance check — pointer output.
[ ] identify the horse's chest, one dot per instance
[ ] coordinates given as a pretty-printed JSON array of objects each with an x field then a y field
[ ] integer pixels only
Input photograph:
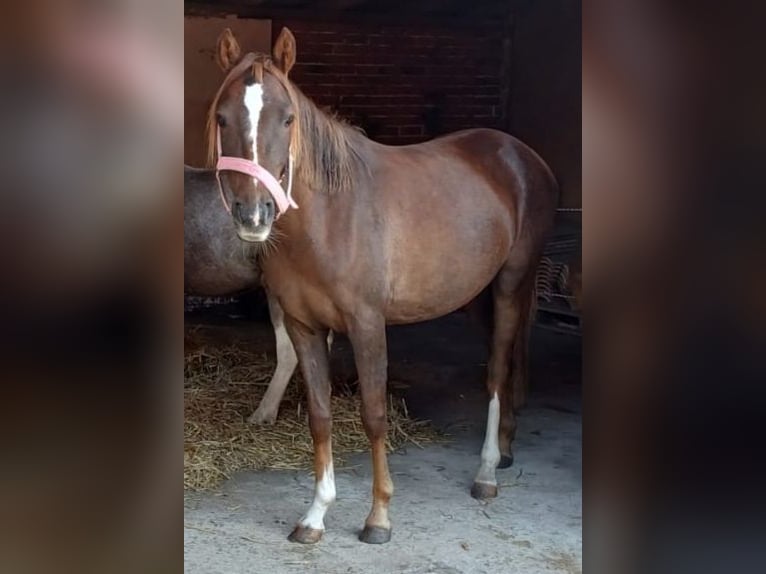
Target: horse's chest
[{"x": 303, "y": 298}]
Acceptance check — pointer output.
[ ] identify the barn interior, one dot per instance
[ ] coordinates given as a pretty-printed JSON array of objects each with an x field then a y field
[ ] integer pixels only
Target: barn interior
[{"x": 405, "y": 72}]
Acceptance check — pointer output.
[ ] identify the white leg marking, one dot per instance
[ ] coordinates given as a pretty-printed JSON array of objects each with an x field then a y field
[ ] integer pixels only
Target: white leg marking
[
  {"x": 490, "y": 452},
  {"x": 324, "y": 496},
  {"x": 254, "y": 105},
  {"x": 287, "y": 361}
]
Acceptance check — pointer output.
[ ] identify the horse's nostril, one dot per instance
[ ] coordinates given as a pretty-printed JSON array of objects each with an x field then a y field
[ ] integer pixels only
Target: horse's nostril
[{"x": 269, "y": 205}]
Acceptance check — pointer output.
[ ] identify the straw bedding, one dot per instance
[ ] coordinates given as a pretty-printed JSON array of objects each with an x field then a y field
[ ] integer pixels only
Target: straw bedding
[{"x": 222, "y": 387}]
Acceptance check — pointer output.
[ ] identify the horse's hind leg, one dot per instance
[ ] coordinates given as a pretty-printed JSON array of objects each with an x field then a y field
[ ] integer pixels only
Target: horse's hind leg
[
  {"x": 501, "y": 421},
  {"x": 526, "y": 296}
]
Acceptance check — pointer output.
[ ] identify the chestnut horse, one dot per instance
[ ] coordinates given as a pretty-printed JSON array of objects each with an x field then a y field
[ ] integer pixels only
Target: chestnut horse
[{"x": 381, "y": 235}]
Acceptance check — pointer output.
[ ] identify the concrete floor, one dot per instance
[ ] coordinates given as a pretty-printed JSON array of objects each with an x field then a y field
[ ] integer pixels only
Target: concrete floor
[{"x": 534, "y": 526}]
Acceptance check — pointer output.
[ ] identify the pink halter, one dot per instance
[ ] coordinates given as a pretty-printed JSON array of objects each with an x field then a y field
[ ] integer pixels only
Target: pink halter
[{"x": 283, "y": 199}]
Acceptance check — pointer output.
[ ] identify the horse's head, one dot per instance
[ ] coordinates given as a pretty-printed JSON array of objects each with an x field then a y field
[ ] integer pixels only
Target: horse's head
[{"x": 252, "y": 118}]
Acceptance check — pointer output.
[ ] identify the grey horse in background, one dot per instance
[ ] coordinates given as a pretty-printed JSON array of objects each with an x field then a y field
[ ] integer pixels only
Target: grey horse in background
[{"x": 218, "y": 263}]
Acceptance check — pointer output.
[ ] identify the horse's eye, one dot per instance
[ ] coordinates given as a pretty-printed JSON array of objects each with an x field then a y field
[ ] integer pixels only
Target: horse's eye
[
  {"x": 221, "y": 120},
  {"x": 290, "y": 119}
]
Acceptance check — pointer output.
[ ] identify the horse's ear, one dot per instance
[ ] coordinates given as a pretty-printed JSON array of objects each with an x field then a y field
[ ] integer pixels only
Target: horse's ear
[
  {"x": 228, "y": 53},
  {"x": 284, "y": 50}
]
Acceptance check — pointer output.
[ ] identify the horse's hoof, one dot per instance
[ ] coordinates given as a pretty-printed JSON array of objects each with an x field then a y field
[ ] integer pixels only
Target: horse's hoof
[
  {"x": 505, "y": 461},
  {"x": 262, "y": 418},
  {"x": 375, "y": 535},
  {"x": 483, "y": 490},
  {"x": 304, "y": 535}
]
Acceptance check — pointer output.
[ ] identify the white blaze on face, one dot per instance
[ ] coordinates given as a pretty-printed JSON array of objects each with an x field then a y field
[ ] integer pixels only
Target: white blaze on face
[
  {"x": 254, "y": 105},
  {"x": 490, "y": 452},
  {"x": 324, "y": 496}
]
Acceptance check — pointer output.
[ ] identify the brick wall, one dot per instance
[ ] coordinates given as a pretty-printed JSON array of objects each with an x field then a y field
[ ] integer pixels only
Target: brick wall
[{"x": 403, "y": 84}]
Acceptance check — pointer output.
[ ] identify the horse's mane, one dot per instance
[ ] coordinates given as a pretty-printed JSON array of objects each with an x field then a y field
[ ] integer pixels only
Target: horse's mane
[{"x": 322, "y": 147}]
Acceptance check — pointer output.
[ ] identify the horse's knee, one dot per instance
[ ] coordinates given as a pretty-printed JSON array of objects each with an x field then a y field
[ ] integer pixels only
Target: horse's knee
[
  {"x": 374, "y": 420},
  {"x": 320, "y": 425}
]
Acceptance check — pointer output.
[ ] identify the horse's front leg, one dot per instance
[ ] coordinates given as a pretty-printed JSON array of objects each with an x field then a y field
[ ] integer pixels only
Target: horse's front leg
[
  {"x": 368, "y": 337},
  {"x": 311, "y": 347}
]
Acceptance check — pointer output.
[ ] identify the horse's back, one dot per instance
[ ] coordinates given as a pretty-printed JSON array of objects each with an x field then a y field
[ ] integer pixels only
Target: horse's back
[
  {"x": 523, "y": 162},
  {"x": 198, "y": 181},
  {"x": 491, "y": 153},
  {"x": 519, "y": 174},
  {"x": 476, "y": 166}
]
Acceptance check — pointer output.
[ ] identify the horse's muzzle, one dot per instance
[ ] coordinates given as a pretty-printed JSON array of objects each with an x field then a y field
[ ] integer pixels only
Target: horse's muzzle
[{"x": 253, "y": 220}]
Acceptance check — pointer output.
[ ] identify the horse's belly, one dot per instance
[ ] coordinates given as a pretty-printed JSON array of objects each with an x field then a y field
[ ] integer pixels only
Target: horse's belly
[
  {"x": 436, "y": 302},
  {"x": 429, "y": 284}
]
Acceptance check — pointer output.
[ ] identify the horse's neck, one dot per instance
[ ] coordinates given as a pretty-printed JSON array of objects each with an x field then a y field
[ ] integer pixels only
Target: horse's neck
[{"x": 331, "y": 149}]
